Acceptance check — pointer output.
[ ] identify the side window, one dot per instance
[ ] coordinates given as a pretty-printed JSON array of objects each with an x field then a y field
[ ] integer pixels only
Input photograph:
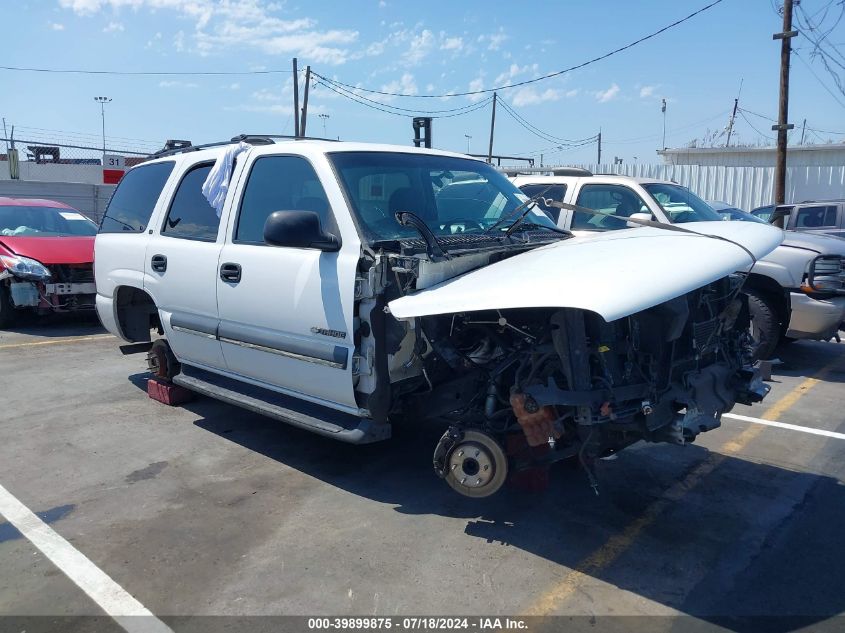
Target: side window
[
  {"x": 557, "y": 192},
  {"x": 133, "y": 201},
  {"x": 190, "y": 215},
  {"x": 608, "y": 199},
  {"x": 815, "y": 217},
  {"x": 279, "y": 183}
]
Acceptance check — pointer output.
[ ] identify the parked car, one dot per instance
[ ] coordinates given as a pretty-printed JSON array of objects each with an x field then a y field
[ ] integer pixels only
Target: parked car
[
  {"x": 345, "y": 287},
  {"x": 732, "y": 213},
  {"x": 46, "y": 258},
  {"x": 822, "y": 216},
  {"x": 796, "y": 292}
]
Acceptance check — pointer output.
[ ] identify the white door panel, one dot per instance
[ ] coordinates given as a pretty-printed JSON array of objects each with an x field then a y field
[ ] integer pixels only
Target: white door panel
[{"x": 288, "y": 322}]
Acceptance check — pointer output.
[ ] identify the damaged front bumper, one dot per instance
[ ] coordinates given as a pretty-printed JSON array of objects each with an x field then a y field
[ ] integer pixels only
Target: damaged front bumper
[{"x": 52, "y": 297}]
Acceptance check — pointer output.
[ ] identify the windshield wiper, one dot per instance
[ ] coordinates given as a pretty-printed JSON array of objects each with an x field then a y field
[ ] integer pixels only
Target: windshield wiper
[
  {"x": 525, "y": 205},
  {"x": 434, "y": 249},
  {"x": 536, "y": 225}
]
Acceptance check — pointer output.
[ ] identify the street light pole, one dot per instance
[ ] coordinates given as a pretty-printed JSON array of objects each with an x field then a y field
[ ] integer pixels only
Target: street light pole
[
  {"x": 103, "y": 101},
  {"x": 325, "y": 117},
  {"x": 468, "y": 137}
]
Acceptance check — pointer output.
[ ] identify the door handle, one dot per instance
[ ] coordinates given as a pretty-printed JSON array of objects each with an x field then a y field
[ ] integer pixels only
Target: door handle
[
  {"x": 230, "y": 272},
  {"x": 158, "y": 263}
]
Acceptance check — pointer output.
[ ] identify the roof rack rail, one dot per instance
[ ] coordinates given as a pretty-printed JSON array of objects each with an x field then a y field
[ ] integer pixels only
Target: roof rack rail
[{"x": 175, "y": 146}]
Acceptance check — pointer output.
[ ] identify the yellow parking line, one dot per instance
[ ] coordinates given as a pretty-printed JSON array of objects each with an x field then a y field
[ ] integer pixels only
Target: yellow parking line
[
  {"x": 604, "y": 556},
  {"x": 59, "y": 341}
]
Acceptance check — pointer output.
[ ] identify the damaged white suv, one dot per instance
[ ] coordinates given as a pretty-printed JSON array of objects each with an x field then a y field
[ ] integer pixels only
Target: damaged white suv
[{"x": 344, "y": 287}]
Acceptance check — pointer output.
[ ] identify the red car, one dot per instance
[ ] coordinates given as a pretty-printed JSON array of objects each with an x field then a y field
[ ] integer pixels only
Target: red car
[{"x": 46, "y": 258}]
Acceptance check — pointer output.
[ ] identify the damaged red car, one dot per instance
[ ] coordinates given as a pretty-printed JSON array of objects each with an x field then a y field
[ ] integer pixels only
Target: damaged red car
[{"x": 46, "y": 259}]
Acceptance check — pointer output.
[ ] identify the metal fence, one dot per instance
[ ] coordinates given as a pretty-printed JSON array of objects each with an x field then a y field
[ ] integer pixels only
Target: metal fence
[
  {"x": 43, "y": 161},
  {"x": 744, "y": 187}
]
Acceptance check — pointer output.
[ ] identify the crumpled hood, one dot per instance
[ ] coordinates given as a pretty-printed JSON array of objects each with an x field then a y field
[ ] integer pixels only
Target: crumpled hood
[
  {"x": 615, "y": 274},
  {"x": 51, "y": 250},
  {"x": 822, "y": 244}
]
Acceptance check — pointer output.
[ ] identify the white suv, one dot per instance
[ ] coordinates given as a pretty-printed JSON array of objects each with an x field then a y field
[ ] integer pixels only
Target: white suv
[
  {"x": 344, "y": 286},
  {"x": 796, "y": 292}
]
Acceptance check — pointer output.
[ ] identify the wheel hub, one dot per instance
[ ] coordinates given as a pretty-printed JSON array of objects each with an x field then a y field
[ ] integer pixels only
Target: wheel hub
[{"x": 476, "y": 466}]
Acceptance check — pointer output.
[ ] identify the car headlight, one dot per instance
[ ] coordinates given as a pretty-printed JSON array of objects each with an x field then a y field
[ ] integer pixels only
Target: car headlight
[
  {"x": 826, "y": 274},
  {"x": 25, "y": 268}
]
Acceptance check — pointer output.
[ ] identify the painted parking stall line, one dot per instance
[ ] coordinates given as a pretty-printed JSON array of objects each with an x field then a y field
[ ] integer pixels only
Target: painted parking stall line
[
  {"x": 784, "y": 425},
  {"x": 60, "y": 341},
  {"x": 130, "y": 614}
]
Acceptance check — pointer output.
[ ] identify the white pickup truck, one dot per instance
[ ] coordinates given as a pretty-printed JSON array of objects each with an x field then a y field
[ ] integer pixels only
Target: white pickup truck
[
  {"x": 795, "y": 292},
  {"x": 344, "y": 287}
]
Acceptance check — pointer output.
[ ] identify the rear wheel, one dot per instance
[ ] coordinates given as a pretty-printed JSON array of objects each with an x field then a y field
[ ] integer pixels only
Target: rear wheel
[
  {"x": 7, "y": 310},
  {"x": 765, "y": 325},
  {"x": 162, "y": 362}
]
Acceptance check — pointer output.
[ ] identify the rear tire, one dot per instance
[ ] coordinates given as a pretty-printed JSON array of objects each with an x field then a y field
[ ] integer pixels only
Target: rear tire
[
  {"x": 7, "y": 310},
  {"x": 765, "y": 325}
]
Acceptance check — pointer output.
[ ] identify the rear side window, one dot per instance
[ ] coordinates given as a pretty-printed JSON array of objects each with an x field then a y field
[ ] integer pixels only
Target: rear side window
[
  {"x": 190, "y": 215},
  {"x": 609, "y": 200},
  {"x": 279, "y": 183},
  {"x": 133, "y": 201},
  {"x": 815, "y": 217},
  {"x": 556, "y": 193}
]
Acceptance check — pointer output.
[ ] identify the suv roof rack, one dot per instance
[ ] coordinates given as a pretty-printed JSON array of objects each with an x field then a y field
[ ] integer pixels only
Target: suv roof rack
[
  {"x": 571, "y": 171},
  {"x": 175, "y": 146}
]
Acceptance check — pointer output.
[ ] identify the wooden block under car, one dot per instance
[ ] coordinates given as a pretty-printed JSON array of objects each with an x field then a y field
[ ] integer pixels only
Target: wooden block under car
[{"x": 167, "y": 393}]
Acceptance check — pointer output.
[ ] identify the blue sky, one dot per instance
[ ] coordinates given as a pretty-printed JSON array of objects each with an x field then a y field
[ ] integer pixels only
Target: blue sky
[{"x": 408, "y": 47}]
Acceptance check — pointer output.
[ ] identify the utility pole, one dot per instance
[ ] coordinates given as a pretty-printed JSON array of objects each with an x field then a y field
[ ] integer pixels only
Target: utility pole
[
  {"x": 103, "y": 101},
  {"x": 305, "y": 101},
  {"x": 5, "y": 135},
  {"x": 663, "y": 110},
  {"x": 295, "y": 100},
  {"x": 492, "y": 128},
  {"x": 731, "y": 124},
  {"x": 468, "y": 137},
  {"x": 598, "y": 162},
  {"x": 782, "y": 126},
  {"x": 803, "y": 130}
]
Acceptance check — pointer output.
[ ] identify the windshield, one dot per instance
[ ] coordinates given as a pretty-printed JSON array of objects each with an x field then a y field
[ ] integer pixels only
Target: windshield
[
  {"x": 739, "y": 215},
  {"x": 451, "y": 195},
  {"x": 44, "y": 222},
  {"x": 680, "y": 204}
]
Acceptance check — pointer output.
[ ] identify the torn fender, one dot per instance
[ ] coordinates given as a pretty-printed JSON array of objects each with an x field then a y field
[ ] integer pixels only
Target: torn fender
[{"x": 614, "y": 274}]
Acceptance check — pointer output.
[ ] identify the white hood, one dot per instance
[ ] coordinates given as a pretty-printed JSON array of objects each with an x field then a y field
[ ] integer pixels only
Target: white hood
[{"x": 615, "y": 274}]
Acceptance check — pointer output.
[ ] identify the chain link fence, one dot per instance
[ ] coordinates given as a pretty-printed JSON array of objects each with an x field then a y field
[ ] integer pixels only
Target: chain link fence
[{"x": 79, "y": 175}]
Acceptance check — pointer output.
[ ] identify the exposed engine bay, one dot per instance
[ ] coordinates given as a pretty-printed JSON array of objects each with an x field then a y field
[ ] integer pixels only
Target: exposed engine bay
[{"x": 525, "y": 387}]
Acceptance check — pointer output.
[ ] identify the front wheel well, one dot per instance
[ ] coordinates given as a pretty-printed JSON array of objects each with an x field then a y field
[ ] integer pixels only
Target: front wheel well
[
  {"x": 773, "y": 291},
  {"x": 137, "y": 314}
]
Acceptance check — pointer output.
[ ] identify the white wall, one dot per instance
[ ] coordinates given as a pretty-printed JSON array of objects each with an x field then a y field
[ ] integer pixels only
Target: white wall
[
  {"x": 55, "y": 172},
  {"x": 89, "y": 199}
]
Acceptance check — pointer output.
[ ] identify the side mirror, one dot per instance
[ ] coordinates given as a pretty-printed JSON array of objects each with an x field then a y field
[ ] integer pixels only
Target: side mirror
[
  {"x": 639, "y": 216},
  {"x": 298, "y": 229}
]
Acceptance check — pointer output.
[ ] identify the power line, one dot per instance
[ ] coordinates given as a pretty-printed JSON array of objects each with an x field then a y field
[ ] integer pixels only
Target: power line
[
  {"x": 745, "y": 118},
  {"x": 543, "y": 77},
  {"x": 814, "y": 129},
  {"x": 414, "y": 111},
  {"x": 544, "y": 135},
  {"x": 349, "y": 96},
  {"x": 819, "y": 79},
  {"x": 78, "y": 71},
  {"x": 687, "y": 126}
]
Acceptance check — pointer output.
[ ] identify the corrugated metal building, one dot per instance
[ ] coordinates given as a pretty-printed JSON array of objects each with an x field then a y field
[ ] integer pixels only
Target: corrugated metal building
[{"x": 828, "y": 155}]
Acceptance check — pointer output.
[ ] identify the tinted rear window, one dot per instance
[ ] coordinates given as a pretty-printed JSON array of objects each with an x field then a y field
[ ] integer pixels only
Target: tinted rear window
[
  {"x": 135, "y": 198},
  {"x": 190, "y": 215}
]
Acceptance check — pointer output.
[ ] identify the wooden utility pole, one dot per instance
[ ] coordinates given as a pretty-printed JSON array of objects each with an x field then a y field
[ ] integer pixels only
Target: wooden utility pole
[
  {"x": 492, "y": 129},
  {"x": 295, "y": 100},
  {"x": 305, "y": 101},
  {"x": 783, "y": 126},
  {"x": 803, "y": 130},
  {"x": 731, "y": 124},
  {"x": 598, "y": 162}
]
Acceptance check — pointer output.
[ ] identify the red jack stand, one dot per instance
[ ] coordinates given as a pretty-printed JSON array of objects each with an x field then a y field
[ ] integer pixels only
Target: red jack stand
[
  {"x": 535, "y": 479},
  {"x": 168, "y": 393}
]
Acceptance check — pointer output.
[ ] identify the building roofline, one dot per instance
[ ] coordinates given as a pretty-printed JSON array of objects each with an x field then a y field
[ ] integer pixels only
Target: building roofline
[{"x": 744, "y": 150}]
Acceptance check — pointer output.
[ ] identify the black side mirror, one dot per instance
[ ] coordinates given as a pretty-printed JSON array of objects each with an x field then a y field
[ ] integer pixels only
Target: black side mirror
[{"x": 298, "y": 229}]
